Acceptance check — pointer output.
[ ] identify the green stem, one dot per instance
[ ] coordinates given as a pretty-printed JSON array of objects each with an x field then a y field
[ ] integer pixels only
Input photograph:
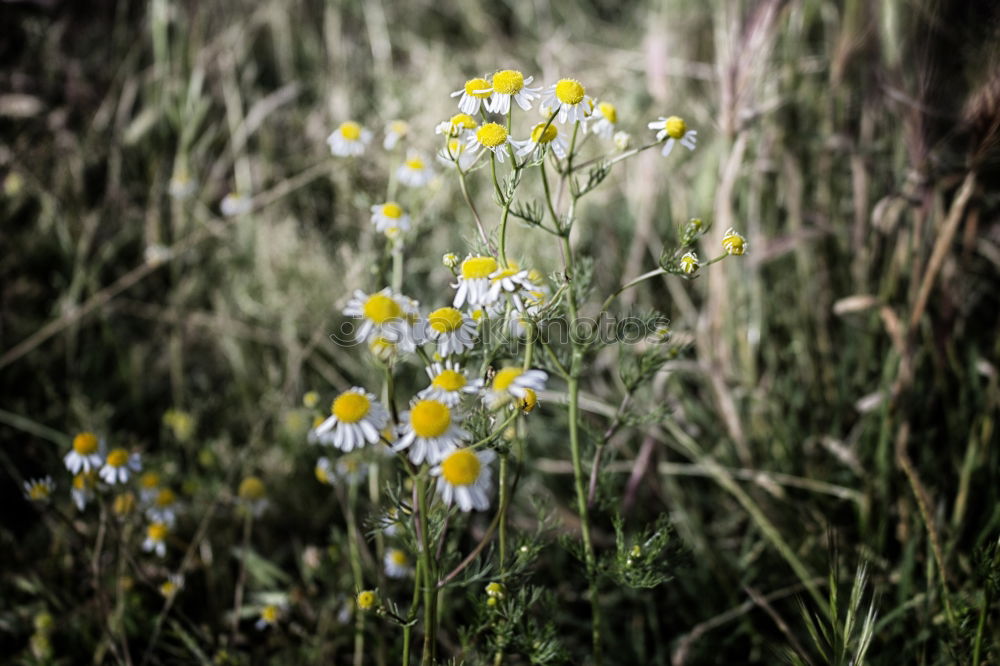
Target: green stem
[
  {"x": 414, "y": 604},
  {"x": 430, "y": 577},
  {"x": 355, "y": 555}
]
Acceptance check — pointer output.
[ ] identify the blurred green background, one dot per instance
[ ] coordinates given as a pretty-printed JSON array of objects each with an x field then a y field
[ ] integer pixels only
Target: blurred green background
[{"x": 836, "y": 405}]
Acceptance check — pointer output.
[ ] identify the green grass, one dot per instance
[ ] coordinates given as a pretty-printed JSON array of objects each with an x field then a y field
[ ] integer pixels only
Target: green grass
[{"x": 822, "y": 448}]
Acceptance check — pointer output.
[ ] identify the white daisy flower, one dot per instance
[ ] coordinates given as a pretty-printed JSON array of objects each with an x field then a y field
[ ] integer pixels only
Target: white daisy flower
[
  {"x": 119, "y": 466},
  {"x": 156, "y": 539},
  {"x": 490, "y": 136},
  {"x": 397, "y": 564},
  {"x": 473, "y": 94},
  {"x": 513, "y": 383},
  {"x": 457, "y": 152},
  {"x": 349, "y": 139},
  {"x": 448, "y": 383},
  {"x": 324, "y": 471},
  {"x": 510, "y": 84},
  {"x": 395, "y": 131},
  {"x": 464, "y": 477},
  {"x": 181, "y": 185},
  {"x": 453, "y": 331},
  {"x": 543, "y": 134},
  {"x": 384, "y": 315},
  {"x": 673, "y": 129},
  {"x": 509, "y": 280},
  {"x": 534, "y": 299},
  {"x": 149, "y": 487},
  {"x": 570, "y": 97},
  {"x": 474, "y": 281},
  {"x": 733, "y": 243},
  {"x": 235, "y": 203},
  {"x": 39, "y": 490},
  {"x": 604, "y": 120},
  {"x": 172, "y": 585},
  {"x": 83, "y": 489},
  {"x": 252, "y": 495},
  {"x": 164, "y": 507},
  {"x": 87, "y": 453},
  {"x": 351, "y": 469},
  {"x": 390, "y": 215},
  {"x": 414, "y": 172},
  {"x": 355, "y": 420},
  {"x": 460, "y": 126},
  {"x": 269, "y": 617},
  {"x": 429, "y": 430},
  {"x": 689, "y": 263}
]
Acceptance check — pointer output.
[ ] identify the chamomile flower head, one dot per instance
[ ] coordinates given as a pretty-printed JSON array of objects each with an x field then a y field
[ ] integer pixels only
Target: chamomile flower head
[
  {"x": 430, "y": 430},
  {"x": 156, "y": 539},
  {"x": 512, "y": 383},
  {"x": 622, "y": 140},
  {"x": 492, "y": 137},
  {"x": 458, "y": 126},
  {"x": 509, "y": 280},
  {"x": 448, "y": 383},
  {"x": 269, "y": 616},
  {"x": 39, "y": 490},
  {"x": 472, "y": 95},
  {"x": 733, "y": 243},
  {"x": 457, "y": 153},
  {"x": 164, "y": 507},
  {"x": 349, "y": 139},
  {"x": 366, "y": 600},
  {"x": 604, "y": 120},
  {"x": 495, "y": 590},
  {"x": 324, "y": 471},
  {"x": 352, "y": 469},
  {"x": 414, "y": 172},
  {"x": 385, "y": 315},
  {"x": 570, "y": 97},
  {"x": 394, "y": 131},
  {"x": 149, "y": 486},
  {"x": 542, "y": 135},
  {"x": 87, "y": 453},
  {"x": 390, "y": 215},
  {"x": 235, "y": 203},
  {"x": 507, "y": 85},
  {"x": 453, "y": 331},
  {"x": 181, "y": 184},
  {"x": 83, "y": 488},
  {"x": 474, "y": 281},
  {"x": 673, "y": 130},
  {"x": 172, "y": 585},
  {"x": 119, "y": 466},
  {"x": 449, "y": 260},
  {"x": 397, "y": 563},
  {"x": 252, "y": 495},
  {"x": 356, "y": 419},
  {"x": 464, "y": 478},
  {"x": 689, "y": 263},
  {"x": 124, "y": 504}
]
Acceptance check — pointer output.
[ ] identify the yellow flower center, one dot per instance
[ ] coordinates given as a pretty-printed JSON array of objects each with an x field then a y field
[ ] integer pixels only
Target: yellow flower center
[
  {"x": 430, "y": 418},
  {"x": 399, "y": 127},
  {"x": 461, "y": 468},
  {"x": 149, "y": 480},
  {"x": 475, "y": 268},
  {"x": 508, "y": 81},
  {"x": 123, "y": 504},
  {"x": 491, "y": 135},
  {"x": 734, "y": 244},
  {"x": 398, "y": 558},
  {"x": 168, "y": 588},
  {"x": 118, "y": 458},
  {"x": 39, "y": 491},
  {"x": 157, "y": 531},
  {"x": 569, "y": 91},
  {"x": 350, "y": 130},
  {"x": 310, "y": 399},
  {"x": 474, "y": 86},
  {"x": 269, "y": 614},
  {"x": 381, "y": 308},
  {"x": 504, "y": 273},
  {"x": 83, "y": 481},
  {"x": 414, "y": 163},
  {"x": 462, "y": 121},
  {"x": 322, "y": 475},
  {"x": 544, "y": 133},
  {"x": 366, "y": 600},
  {"x": 609, "y": 111},
  {"x": 449, "y": 380},
  {"x": 251, "y": 488},
  {"x": 350, "y": 407},
  {"x": 529, "y": 402},
  {"x": 455, "y": 147},
  {"x": 392, "y": 210},
  {"x": 165, "y": 498},
  {"x": 85, "y": 443},
  {"x": 676, "y": 127},
  {"x": 445, "y": 320},
  {"x": 504, "y": 378}
]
